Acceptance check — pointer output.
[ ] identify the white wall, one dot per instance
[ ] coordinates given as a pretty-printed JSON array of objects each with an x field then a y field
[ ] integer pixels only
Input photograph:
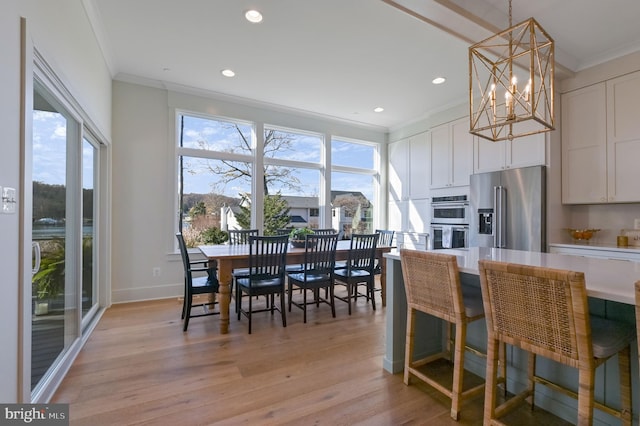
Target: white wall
[
  {"x": 61, "y": 33},
  {"x": 144, "y": 178},
  {"x": 9, "y": 176}
]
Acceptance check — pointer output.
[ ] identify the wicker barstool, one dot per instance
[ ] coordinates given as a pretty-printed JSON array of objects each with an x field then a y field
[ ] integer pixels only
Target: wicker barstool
[
  {"x": 545, "y": 312},
  {"x": 432, "y": 285}
]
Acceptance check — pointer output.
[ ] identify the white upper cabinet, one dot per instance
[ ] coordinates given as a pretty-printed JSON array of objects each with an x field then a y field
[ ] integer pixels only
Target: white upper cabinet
[
  {"x": 408, "y": 184},
  {"x": 451, "y": 154},
  {"x": 601, "y": 142},
  {"x": 584, "y": 145},
  {"x": 399, "y": 170},
  {"x": 419, "y": 166},
  {"x": 520, "y": 152},
  {"x": 623, "y": 138},
  {"x": 408, "y": 168}
]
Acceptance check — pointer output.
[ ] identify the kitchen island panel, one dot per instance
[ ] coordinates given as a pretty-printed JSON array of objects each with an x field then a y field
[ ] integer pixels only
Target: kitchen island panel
[{"x": 611, "y": 294}]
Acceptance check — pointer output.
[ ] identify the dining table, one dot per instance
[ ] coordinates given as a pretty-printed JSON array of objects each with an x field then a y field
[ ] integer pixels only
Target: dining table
[{"x": 233, "y": 256}]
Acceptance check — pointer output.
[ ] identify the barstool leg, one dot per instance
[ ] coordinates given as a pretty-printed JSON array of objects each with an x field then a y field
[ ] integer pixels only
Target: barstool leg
[{"x": 624, "y": 367}]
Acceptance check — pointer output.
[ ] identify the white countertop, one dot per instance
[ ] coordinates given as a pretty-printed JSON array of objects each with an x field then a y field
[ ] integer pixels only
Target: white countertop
[
  {"x": 598, "y": 246},
  {"x": 605, "y": 278}
]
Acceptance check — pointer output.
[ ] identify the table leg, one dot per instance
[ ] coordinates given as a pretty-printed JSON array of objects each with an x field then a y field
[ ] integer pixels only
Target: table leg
[{"x": 224, "y": 276}]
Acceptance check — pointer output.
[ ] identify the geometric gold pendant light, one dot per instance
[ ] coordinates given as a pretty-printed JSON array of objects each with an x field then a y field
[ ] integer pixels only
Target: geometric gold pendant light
[{"x": 511, "y": 77}]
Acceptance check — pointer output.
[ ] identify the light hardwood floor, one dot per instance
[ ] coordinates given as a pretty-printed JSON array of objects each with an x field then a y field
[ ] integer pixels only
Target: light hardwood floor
[{"x": 138, "y": 367}]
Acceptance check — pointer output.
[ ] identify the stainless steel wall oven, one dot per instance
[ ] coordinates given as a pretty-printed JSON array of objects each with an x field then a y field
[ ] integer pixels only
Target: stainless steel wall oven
[{"x": 449, "y": 222}]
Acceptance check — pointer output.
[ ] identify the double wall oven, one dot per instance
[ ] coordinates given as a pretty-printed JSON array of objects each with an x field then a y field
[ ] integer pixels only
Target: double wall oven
[{"x": 449, "y": 222}]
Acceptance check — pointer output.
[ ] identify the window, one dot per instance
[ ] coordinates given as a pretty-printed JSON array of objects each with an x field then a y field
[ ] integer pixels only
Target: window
[
  {"x": 215, "y": 166},
  {"x": 354, "y": 185},
  {"x": 292, "y": 178},
  {"x": 219, "y": 159}
]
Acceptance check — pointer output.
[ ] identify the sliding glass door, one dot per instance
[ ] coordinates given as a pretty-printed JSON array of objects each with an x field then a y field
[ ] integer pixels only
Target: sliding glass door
[
  {"x": 64, "y": 223},
  {"x": 54, "y": 324}
]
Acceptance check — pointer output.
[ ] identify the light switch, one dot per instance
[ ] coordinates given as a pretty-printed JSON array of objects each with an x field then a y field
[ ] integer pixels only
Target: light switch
[{"x": 8, "y": 200}]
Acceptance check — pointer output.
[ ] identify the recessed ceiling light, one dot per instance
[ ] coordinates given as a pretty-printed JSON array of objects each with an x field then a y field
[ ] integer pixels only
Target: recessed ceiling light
[
  {"x": 378, "y": 109},
  {"x": 438, "y": 80},
  {"x": 253, "y": 16},
  {"x": 228, "y": 73}
]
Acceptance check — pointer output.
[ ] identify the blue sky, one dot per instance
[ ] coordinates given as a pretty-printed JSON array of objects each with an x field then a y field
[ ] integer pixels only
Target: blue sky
[{"x": 50, "y": 150}]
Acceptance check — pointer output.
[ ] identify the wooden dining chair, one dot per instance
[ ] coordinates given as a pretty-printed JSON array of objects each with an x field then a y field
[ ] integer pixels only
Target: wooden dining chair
[
  {"x": 195, "y": 285},
  {"x": 328, "y": 231},
  {"x": 359, "y": 269},
  {"x": 432, "y": 285},
  {"x": 236, "y": 237},
  {"x": 266, "y": 276},
  {"x": 317, "y": 273},
  {"x": 241, "y": 236},
  {"x": 544, "y": 312}
]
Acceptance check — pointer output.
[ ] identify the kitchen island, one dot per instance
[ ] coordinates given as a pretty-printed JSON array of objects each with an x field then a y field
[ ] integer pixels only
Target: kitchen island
[{"x": 610, "y": 288}]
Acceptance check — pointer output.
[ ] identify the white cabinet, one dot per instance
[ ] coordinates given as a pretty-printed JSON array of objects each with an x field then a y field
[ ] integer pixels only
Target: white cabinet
[
  {"x": 623, "y": 138},
  {"x": 399, "y": 170},
  {"x": 408, "y": 168},
  {"x": 451, "y": 154},
  {"x": 409, "y": 191},
  {"x": 601, "y": 142},
  {"x": 520, "y": 152},
  {"x": 419, "y": 166},
  {"x": 584, "y": 145}
]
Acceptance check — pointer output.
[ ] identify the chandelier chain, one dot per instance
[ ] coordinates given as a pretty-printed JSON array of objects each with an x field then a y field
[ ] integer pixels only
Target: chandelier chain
[{"x": 510, "y": 17}]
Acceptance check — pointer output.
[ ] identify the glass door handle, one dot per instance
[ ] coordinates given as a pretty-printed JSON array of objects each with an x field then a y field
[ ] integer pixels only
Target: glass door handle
[{"x": 36, "y": 250}]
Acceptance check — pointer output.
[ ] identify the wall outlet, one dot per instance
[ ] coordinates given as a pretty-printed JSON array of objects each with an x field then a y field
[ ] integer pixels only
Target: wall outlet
[
  {"x": 636, "y": 224},
  {"x": 156, "y": 272}
]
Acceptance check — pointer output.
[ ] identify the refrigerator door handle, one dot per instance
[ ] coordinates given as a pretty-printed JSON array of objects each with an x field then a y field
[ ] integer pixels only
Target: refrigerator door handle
[{"x": 499, "y": 207}]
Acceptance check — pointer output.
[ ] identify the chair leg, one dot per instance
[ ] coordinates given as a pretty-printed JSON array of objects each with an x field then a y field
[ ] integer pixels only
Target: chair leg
[
  {"x": 531, "y": 372},
  {"x": 624, "y": 367},
  {"x": 586, "y": 380},
  {"x": 282, "y": 310},
  {"x": 333, "y": 300},
  {"x": 370, "y": 289},
  {"x": 408, "y": 349},
  {"x": 249, "y": 313},
  {"x": 289, "y": 290},
  {"x": 188, "y": 299},
  {"x": 458, "y": 370},
  {"x": 184, "y": 300},
  {"x": 238, "y": 301},
  {"x": 502, "y": 357},
  {"x": 304, "y": 305},
  {"x": 491, "y": 380}
]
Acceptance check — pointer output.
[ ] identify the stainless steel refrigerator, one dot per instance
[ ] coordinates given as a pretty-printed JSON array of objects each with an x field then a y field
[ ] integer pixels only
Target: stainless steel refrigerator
[{"x": 508, "y": 209}]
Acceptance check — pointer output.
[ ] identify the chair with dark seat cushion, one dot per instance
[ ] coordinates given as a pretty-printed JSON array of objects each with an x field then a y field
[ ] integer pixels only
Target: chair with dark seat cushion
[
  {"x": 266, "y": 276},
  {"x": 317, "y": 272},
  {"x": 359, "y": 269},
  {"x": 241, "y": 236},
  {"x": 328, "y": 231},
  {"x": 385, "y": 239},
  {"x": 194, "y": 285},
  {"x": 545, "y": 312}
]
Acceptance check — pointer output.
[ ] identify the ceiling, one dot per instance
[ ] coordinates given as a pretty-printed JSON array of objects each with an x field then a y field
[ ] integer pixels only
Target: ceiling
[{"x": 342, "y": 58}]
